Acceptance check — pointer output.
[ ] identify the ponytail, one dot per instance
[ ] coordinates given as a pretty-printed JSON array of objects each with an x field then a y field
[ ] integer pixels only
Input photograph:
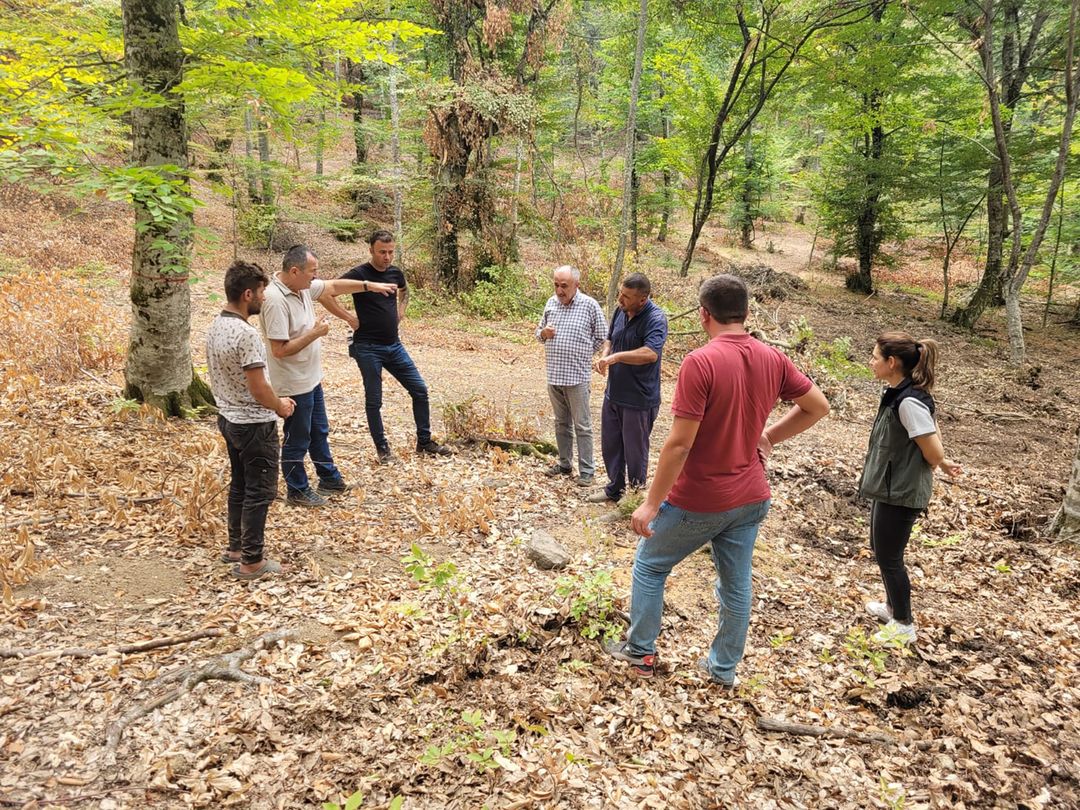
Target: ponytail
[
  {"x": 922, "y": 376},
  {"x": 917, "y": 357}
]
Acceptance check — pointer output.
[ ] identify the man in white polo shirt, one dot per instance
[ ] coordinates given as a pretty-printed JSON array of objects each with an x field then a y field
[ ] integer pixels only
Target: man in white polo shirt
[{"x": 292, "y": 334}]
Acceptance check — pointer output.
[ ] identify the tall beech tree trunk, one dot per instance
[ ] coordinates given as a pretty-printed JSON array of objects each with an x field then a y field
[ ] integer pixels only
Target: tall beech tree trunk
[{"x": 158, "y": 369}]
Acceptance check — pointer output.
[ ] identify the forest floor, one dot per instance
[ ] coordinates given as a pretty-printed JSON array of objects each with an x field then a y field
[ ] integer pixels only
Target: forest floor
[{"x": 484, "y": 692}]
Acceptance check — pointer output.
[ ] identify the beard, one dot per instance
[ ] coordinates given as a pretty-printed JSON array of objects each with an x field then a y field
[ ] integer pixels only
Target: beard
[{"x": 254, "y": 307}]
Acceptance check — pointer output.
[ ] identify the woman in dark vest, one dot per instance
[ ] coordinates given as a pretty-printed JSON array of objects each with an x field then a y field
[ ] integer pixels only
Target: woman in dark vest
[{"x": 899, "y": 470}]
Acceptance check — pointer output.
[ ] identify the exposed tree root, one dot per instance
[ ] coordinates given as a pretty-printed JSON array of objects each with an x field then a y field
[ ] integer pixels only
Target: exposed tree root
[
  {"x": 833, "y": 732},
  {"x": 127, "y": 649},
  {"x": 224, "y": 667}
]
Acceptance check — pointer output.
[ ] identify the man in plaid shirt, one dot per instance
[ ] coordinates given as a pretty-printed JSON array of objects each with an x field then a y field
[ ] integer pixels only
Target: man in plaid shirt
[{"x": 572, "y": 329}]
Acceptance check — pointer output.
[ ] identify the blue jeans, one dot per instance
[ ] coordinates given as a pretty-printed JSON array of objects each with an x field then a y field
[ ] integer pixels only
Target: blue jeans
[
  {"x": 676, "y": 535},
  {"x": 307, "y": 432},
  {"x": 372, "y": 358}
]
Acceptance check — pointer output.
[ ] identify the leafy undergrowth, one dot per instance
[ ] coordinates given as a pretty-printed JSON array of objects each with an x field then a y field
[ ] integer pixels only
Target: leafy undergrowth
[{"x": 433, "y": 666}]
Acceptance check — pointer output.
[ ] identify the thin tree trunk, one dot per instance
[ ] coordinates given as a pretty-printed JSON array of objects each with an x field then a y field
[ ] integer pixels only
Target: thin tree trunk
[
  {"x": 320, "y": 142},
  {"x": 249, "y": 154},
  {"x": 355, "y": 73},
  {"x": 158, "y": 369},
  {"x": 1054, "y": 258},
  {"x": 265, "y": 177},
  {"x": 665, "y": 176},
  {"x": 519, "y": 153},
  {"x": 628, "y": 169},
  {"x": 1017, "y": 273},
  {"x": 395, "y": 157}
]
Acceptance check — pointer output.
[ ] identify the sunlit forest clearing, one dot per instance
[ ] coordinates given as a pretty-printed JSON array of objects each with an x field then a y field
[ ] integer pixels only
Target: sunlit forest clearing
[{"x": 862, "y": 166}]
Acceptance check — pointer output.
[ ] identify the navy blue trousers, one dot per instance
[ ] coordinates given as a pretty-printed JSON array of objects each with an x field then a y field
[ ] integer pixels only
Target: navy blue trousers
[{"x": 624, "y": 441}]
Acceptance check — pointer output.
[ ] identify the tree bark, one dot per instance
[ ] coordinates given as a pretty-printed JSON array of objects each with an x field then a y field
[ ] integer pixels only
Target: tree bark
[
  {"x": 159, "y": 369},
  {"x": 746, "y": 197},
  {"x": 354, "y": 71},
  {"x": 1066, "y": 525},
  {"x": 628, "y": 169}
]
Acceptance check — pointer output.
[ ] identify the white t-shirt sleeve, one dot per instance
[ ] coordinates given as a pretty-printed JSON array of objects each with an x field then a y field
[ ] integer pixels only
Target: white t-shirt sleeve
[
  {"x": 274, "y": 318},
  {"x": 916, "y": 418},
  {"x": 318, "y": 287}
]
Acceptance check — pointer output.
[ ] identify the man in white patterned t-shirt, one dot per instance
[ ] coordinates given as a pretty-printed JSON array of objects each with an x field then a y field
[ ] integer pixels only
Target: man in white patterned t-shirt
[{"x": 247, "y": 417}]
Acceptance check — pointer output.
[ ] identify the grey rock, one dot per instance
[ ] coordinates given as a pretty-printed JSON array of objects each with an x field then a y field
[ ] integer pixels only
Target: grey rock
[{"x": 546, "y": 552}]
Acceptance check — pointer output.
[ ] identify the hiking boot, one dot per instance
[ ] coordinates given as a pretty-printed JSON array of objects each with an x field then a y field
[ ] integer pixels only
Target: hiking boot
[
  {"x": 880, "y": 611},
  {"x": 895, "y": 634},
  {"x": 601, "y": 497},
  {"x": 556, "y": 470},
  {"x": 330, "y": 488},
  {"x": 703, "y": 665},
  {"x": 585, "y": 480},
  {"x": 433, "y": 448},
  {"x": 385, "y": 454},
  {"x": 641, "y": 665},
  {"x": 305, "y": 497}
]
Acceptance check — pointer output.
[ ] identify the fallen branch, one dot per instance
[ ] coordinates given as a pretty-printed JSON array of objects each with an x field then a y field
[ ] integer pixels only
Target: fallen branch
[
  {"x": 833, "y": 732},
  {"x": 224, "y": 667},
  {"x": 41, "y": 521},
  {"x": 683, "y": 314},
  {"x": 127, "y": 649}
]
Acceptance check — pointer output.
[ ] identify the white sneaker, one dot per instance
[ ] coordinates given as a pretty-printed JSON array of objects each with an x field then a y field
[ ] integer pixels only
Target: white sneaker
[
  {"x": 895, "y": 634},
  {"x": 880, "y": 611}
]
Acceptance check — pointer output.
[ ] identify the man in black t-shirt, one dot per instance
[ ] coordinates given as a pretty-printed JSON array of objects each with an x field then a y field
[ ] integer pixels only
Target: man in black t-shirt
[{"x": 376, "y": 346}]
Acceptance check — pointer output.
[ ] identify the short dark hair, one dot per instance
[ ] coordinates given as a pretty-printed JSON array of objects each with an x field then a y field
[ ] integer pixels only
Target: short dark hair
[
  {"x": 380, "y": 235},
  {"x": 725, "y": 298},
  {"x": 638, "y": 281},
  {"x": 241, "y": 277},
  {"x": 296, "y": 256}
]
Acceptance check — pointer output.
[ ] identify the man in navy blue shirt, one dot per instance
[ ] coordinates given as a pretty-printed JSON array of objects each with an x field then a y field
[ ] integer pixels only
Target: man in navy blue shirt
[{"x": 631, "y": 358}]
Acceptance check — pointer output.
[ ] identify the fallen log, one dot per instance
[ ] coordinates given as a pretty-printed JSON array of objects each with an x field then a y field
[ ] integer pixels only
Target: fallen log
[{"x": 539, "y": 449}]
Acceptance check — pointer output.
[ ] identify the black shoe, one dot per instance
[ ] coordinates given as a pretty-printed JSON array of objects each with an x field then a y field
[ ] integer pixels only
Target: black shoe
[
  {"x": 333, "y": 487},
  {"x": 305, "y": 497},
  {"x": 385, "y": 454},
  {"x": 555, "y": 470},
  {"x": 433, "y": 448}
]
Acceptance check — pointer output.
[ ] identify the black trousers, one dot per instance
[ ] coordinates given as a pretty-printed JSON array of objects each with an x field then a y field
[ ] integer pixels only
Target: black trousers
[
  {"x": 253, "y": 462},
  {"x": 890, "y": 530}
]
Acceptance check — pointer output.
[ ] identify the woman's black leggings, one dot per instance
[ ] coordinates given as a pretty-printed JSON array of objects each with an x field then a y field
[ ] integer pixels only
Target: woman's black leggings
[{"x": 890, "y": 529}]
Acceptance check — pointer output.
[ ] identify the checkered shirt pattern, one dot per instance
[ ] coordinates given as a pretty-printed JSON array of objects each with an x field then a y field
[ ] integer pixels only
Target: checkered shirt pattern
[{"x": 580, "y": 330}]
